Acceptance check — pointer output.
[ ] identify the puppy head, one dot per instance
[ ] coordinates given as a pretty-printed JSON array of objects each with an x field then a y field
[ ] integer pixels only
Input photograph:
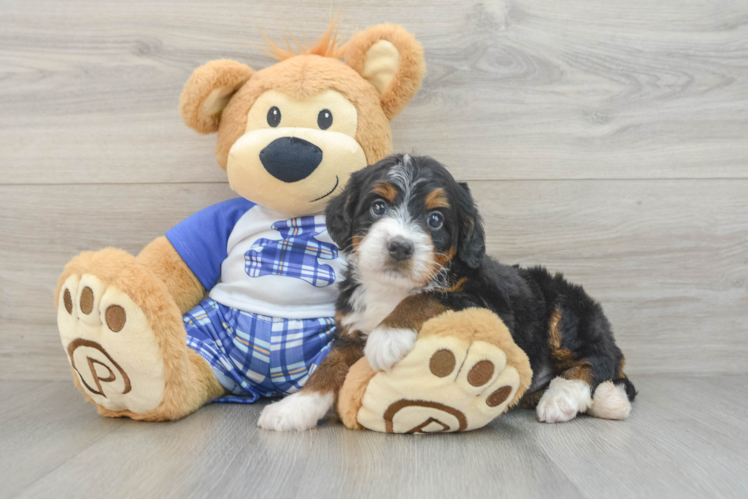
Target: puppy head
[{"x": 404, "y": 219}]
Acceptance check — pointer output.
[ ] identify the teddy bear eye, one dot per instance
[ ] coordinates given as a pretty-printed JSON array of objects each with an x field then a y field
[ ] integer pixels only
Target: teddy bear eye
[
  {"x": 324, "y": 119},
  {"x": 274, "y": 116}
]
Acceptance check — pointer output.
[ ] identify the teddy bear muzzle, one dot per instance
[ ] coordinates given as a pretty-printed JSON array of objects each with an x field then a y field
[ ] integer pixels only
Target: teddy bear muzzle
[{"x": 293, "y": 170}]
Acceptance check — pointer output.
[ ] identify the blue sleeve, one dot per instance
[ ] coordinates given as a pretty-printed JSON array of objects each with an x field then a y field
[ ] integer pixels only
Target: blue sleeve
[{"x": 201, "y": 239}]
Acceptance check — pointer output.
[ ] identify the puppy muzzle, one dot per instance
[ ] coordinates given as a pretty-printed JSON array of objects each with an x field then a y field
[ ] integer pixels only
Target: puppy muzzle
[{"x": 400, "y": 249}]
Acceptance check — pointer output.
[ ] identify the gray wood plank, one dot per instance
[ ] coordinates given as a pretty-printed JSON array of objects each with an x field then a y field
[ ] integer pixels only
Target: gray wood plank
[
  {"x": 10, "y": 390},
  {"x": 667, "y": 259},
  {"x": 219, "y": 452},
  {"x": 515, "y": 90},
  {"x": 41, "y": 427},
  {"x": 673, "y": 445}
]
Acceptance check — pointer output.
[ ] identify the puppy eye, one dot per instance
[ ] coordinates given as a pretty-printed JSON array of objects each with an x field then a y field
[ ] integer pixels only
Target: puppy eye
[
  {"x": 435, "y": 220},
  {"x": 274, "y": 116},
  {"x": 324, "y": 119},
  {"x": 378, "y": 208}
]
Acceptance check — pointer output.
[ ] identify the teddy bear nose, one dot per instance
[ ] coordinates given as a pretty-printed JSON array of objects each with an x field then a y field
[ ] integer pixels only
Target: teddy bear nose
[{"x": 290, "y": 159}]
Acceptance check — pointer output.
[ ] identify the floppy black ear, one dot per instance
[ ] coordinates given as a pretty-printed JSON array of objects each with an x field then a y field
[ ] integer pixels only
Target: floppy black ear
[
  {"x": 339, "y": 214},
  {"x": 472, "y": 245}
]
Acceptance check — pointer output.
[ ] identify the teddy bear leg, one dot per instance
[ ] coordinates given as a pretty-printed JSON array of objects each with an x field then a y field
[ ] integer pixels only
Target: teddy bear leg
[
  {"x": 464, "y": 371},
  {"x": 125, "y": 340}
]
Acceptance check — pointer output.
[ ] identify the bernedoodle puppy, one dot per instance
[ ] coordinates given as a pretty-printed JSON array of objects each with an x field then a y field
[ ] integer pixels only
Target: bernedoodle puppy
[{"x": 415, "y": 247}]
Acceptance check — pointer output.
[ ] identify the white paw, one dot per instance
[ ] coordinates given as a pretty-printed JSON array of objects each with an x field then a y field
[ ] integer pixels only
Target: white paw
[
  {"x": 297, "y": 412},
  {"x": 563, "y": 400},
  {"x": 610, "y": 402},
  {"x": 387, "y": 346}
]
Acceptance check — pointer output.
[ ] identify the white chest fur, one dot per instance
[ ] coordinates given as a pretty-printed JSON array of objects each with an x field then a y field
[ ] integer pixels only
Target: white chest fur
[{"x": 372, "y": 303}]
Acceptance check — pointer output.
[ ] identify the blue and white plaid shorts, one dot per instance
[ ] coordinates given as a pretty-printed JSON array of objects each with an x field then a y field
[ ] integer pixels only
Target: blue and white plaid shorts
[{"x": 254, "y": 355}]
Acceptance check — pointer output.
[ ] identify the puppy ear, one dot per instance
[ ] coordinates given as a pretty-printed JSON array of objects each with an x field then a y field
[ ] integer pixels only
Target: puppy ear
[
  {"x": 472, "y": 246},
  {"x": 391, "y": 59},
  {"x": 339, "y": 216},
  {"x": 208, "y": 91}
]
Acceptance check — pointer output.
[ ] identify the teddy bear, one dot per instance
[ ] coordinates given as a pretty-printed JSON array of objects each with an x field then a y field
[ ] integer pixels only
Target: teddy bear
[
  {"x": 142, "y": 338},
  {"x": 237, "y": 302}
]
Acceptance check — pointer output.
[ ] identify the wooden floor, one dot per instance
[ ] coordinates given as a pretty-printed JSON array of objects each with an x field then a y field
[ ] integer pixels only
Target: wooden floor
[{"x": 686, "y": 437}]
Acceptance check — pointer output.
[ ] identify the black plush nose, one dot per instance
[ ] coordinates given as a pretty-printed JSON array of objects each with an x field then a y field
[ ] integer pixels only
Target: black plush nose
[
  {"x": 290, "y": 159},
  {"x": 400, "y": 249}
]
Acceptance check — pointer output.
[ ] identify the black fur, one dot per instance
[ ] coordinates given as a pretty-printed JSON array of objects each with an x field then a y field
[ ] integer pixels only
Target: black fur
[{"x": 524, "y": 298}]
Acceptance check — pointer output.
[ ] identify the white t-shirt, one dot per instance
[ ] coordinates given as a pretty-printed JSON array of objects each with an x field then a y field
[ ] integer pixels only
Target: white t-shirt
[{"x": 269, "y": 264}]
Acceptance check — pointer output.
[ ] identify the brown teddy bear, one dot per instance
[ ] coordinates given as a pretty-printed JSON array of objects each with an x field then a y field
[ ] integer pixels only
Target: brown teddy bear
[{"x": 141, "y": 336}]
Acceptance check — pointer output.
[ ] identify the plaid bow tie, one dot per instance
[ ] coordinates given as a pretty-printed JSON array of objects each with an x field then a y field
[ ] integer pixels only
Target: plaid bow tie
[{"x": 295, "y": 255}]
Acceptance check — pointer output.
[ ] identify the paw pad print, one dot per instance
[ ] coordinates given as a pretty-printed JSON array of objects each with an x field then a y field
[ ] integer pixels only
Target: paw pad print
[
  {"x": 445, "y": 384},
  {"x": 110, "y": 345}
]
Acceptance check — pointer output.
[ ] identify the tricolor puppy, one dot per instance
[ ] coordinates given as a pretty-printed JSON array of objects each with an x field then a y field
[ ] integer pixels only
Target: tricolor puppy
[{"x": 415, "y": 247}]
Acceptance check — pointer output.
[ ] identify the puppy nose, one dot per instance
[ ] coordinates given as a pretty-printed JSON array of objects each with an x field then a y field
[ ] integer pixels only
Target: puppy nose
[
  {"x": 400, "y": 249},
  {"x": 290, "y": 159}
]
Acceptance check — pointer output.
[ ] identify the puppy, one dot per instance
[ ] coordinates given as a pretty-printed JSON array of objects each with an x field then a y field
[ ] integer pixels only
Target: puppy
[{"x": 415, "y": 247}]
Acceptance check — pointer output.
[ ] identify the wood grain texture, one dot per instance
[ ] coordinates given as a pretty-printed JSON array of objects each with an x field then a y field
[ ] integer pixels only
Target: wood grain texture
[
  {"x": 43, "y": 426},
  {"x": 672, "y": 446},
  {"x": 676, "y": 443},
  {"x": 667, "y": 259},
  {"x": 516, "y": 89}
]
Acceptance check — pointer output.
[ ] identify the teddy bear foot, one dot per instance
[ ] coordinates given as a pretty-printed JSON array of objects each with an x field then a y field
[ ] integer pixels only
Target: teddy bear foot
[
  {"x": 463, "y": 372},
  {"x": 116, "y": 321}
]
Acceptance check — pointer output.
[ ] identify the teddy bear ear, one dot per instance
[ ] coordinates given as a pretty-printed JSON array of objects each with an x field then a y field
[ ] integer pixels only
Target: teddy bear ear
[
  {"x": 391, "y": 59},
  {"x": 208, "y": 91}
]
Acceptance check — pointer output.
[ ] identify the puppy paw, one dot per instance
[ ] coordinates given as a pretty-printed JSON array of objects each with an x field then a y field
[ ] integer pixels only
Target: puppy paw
[
  {"x": 563, "y": 400},
  {"x": 387, "y": 346},
  {"x": 610, "y": 402},
  {"x": 297, "y": 412}
]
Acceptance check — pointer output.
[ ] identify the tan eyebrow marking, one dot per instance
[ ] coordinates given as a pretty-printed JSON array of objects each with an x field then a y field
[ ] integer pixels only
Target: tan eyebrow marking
[
  {"x": 386, "y": 191},
  {"x": 437, "y": 199}
]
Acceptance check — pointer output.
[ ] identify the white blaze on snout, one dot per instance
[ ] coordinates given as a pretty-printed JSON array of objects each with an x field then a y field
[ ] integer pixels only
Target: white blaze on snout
[
  {"x": 375, "y": 262},
  {"x": 382, "y": 288}
]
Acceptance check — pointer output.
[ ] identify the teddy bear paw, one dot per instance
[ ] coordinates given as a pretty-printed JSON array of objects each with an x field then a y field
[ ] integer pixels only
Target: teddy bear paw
[
  {"x": 445, "y": 384},
  {"x": 110, "y": 344}
]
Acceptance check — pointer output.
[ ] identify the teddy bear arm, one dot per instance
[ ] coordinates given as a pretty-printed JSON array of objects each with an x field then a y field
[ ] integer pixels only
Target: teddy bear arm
[{"x": 160, "y": 257}]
